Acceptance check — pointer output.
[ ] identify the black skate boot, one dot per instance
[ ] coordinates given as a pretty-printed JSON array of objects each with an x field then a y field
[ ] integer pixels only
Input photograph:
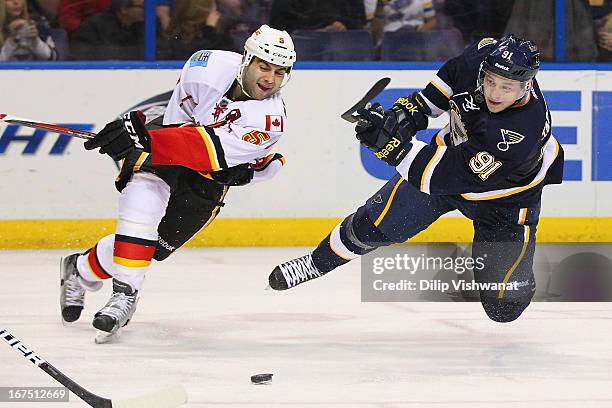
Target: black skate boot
[
  {"x": 293, "y": 272},
  {"x": 117, "y": 312},
  {"x": 72, "y": 289}
]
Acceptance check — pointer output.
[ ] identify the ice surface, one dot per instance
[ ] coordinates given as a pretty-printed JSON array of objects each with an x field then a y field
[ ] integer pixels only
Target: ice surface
[{"x": 205, "y": 321}]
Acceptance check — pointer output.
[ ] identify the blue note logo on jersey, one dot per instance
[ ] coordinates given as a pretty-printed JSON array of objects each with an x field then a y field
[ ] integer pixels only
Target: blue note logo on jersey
[
  {"x": 509, "y": 137},
  {"x": 200, "y": 59}
]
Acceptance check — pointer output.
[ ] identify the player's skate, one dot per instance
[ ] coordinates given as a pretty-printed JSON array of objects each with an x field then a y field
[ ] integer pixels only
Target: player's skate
[
  {"x": 293, "y": 272},
  {"x": 72, "y": 289},
  {"x": 116, "y": 313}
]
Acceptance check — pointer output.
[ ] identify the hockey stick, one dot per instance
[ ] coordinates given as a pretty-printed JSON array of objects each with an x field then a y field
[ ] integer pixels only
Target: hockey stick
[
  {"x": 351, "y": 114},
  {"x": 164, "y": 398},
  {"x": 51, "y": 127}
]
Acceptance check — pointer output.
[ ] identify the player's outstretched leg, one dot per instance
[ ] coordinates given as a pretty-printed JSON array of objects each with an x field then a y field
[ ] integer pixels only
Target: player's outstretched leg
[
  {"x": 395, "y": 213},
  {"x": 73, "y": 288},
  {"x": 353, "y": 237},
  {"x": 118, "y": 310}
]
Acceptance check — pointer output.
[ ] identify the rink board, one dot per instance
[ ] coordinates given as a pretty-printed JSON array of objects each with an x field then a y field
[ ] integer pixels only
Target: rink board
[{"x": 67, "y": 195}]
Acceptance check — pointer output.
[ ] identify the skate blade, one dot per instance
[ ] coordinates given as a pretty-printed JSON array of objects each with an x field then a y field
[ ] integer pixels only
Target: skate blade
[{"x": 103, "y": 337}]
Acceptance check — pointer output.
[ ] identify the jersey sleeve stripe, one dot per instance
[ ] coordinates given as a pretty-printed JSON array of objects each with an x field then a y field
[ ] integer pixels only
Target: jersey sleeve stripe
[
  {"x": 439, "y": 138},
  {"x": 193, "y": 147},
  {"x": 429, "y": 169},
  {"x": 551, "y": 150},
  {"x": 435, "y": 110},
  {"x": 404, "y": 167},
  {"x": 210, "y": 149},
  {"x": 442, "y": 86}
]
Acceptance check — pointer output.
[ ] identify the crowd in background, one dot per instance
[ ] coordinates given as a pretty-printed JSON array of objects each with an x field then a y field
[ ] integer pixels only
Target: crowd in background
[{"x": 46, "y": 30}]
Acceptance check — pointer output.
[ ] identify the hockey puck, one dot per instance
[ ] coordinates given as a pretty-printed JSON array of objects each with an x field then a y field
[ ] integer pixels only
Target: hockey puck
[{"x": 261, "y": 378}]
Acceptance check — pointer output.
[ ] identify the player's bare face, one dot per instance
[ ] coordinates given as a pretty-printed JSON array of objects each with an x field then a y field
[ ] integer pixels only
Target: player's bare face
[
  {"x": 262, "y": 79},
  {"x": 500, "y": 93}
]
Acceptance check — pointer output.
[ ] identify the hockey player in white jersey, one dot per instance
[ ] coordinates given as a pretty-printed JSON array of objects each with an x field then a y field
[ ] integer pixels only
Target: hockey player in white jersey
[{"x": 225, "y": 115}]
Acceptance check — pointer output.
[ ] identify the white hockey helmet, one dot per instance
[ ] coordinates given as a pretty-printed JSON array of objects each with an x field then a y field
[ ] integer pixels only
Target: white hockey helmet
[{"x": 271, "y": 45}]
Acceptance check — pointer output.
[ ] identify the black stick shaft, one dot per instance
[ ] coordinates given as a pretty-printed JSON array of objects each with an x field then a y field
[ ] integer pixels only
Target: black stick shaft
[{"x": 90, "y": 398}]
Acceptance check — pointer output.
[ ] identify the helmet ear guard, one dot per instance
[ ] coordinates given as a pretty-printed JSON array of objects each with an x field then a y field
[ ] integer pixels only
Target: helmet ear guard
[{"x": 270, "y": 45}]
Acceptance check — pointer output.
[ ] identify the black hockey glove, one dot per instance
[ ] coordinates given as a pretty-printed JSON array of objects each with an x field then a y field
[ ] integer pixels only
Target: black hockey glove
[
  {"x": 416, "y": 108},
  {"x": 120, "y": 137},
  {"x": 239, "y": 175},
  {"x": 388, "y": 133}
]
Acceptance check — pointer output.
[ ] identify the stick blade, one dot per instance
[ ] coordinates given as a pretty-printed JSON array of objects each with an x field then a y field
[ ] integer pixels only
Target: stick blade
[
  {"x": 51, "y": 127},
  {"x": 169, "y": 397},
  {"x": 378, "y": 87}
]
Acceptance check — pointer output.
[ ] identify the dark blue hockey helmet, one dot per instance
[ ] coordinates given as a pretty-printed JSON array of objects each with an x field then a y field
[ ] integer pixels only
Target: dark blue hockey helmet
[{"x": 513, "y": 58}]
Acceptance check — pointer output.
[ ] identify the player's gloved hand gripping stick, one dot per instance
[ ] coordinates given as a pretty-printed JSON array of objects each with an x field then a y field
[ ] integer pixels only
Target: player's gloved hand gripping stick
[
  {"x": 388, "y": 133},
  {"x": 120, "y": 137}
]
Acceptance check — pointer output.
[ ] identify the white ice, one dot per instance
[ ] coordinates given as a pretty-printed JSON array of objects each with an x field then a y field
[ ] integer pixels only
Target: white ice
[{"x": 205, "y": 321}]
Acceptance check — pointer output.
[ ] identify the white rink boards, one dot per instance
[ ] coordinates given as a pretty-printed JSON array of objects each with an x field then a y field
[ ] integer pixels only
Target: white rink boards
[{"x": 205, "y": 321}]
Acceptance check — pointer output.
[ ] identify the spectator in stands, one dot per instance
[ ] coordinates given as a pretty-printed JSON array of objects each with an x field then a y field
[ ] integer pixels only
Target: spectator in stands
[
  {"x": 242, "y": 17},
  {"x": 47, "y": 9},
  {"x": 321, "y": 15},
  {"x": 600, "y": 8},
  {"x": 535, "y": 20},
  {"x": 193, "y": 27},
  {"x": 46, "y": 13},
  {"x": 162, "y": 11},
  {"x": 418, "y": 15},
  {"x": 72, "y": 13},
  {"x": 602, "y": 18},
  {"x": 117, "y": 33},
  {"x": 477, "y": 19},
  {"x": 22, "y": 39},
  {"x": 370, "y": 7},
  {"x": 403, "y": 15},
  {"x": 604, "y": 39}
]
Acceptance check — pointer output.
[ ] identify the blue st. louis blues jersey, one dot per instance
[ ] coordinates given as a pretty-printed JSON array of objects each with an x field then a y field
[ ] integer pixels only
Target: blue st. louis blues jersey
[{"x": 506, "y": 156}]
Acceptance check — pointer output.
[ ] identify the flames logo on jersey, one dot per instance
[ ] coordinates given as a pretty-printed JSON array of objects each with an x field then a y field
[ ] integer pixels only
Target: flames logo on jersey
[
  {"x": 220, "y": 108},
  {"x": 256, "y": 137},
  {"x": 458, "y": 131},
  {"x": 231, "y": 117}
]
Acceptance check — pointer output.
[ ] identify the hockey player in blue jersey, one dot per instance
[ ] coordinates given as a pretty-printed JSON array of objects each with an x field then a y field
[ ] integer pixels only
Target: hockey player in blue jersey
[{"x": 490, "y": 163}]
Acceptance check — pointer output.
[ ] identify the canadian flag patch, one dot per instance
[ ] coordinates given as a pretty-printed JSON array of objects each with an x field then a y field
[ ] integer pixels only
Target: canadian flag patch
[{"x": 274, "y": 123}]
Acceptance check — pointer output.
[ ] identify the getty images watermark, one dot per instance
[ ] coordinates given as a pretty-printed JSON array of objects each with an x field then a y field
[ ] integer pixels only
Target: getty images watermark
[
  {"x": 571, "y": 272},
  {"x": 415, "y": 273}
]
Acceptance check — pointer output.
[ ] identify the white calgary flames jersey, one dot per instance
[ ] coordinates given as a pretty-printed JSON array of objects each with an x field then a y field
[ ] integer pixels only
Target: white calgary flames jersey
[{"x": 234, "y": 132}]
